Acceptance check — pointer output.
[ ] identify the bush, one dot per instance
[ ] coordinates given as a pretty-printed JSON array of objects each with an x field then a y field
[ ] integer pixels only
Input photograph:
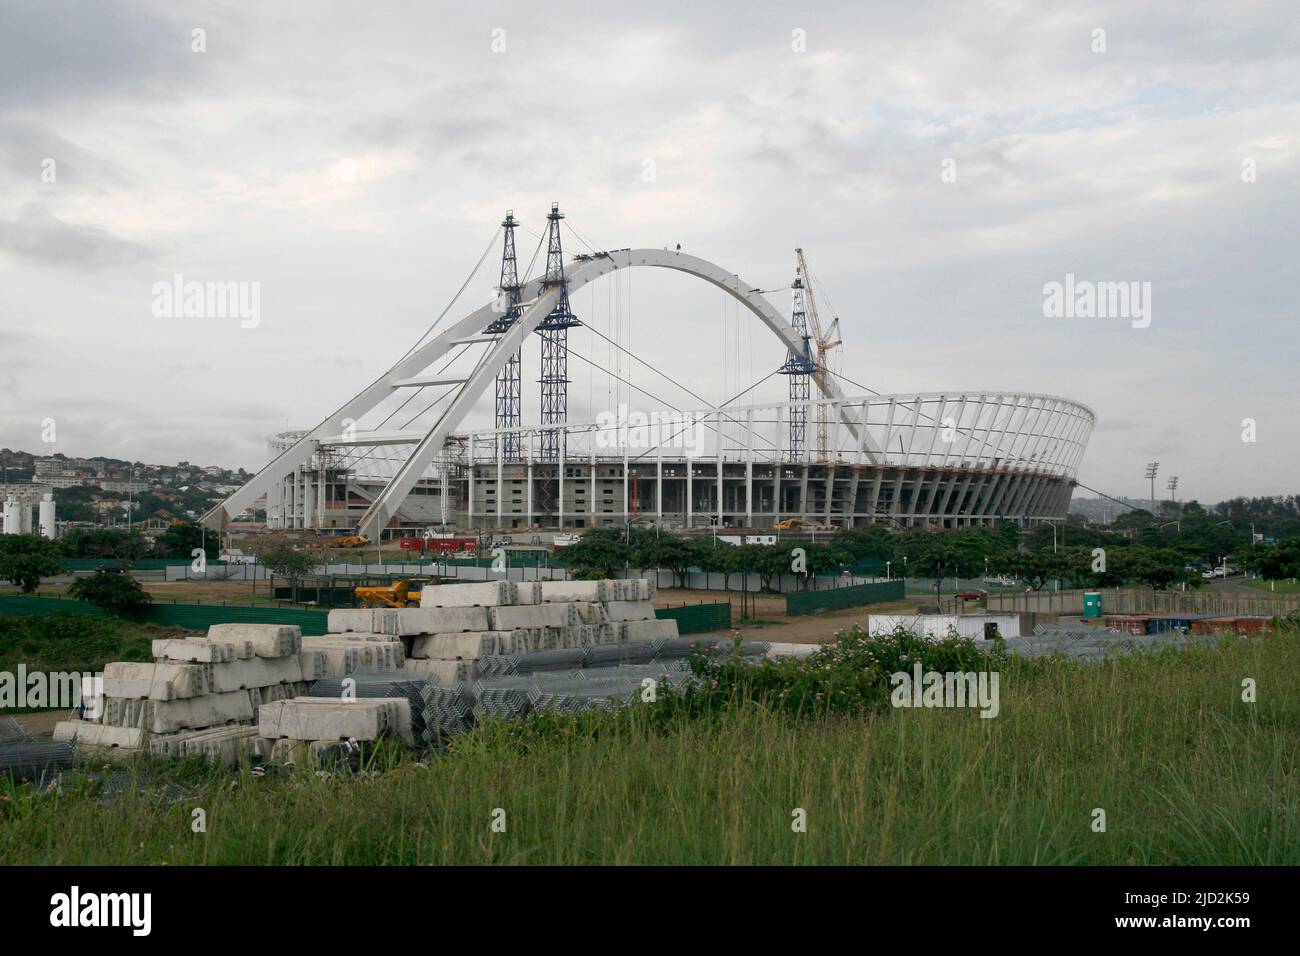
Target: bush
[
  {"x": 113, "y": 591},
  {"x": 849, "y": 676}
]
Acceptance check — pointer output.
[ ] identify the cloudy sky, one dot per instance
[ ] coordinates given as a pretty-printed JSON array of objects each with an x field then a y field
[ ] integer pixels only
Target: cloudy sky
[{"x": 355, "y": 158}]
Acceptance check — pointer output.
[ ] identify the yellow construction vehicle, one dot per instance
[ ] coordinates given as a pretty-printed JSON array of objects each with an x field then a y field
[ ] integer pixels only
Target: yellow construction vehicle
[
  {"x": 404, "y": 593},
  {"x": 352, "y": 541},
  {"x": 789, "y": 524}
]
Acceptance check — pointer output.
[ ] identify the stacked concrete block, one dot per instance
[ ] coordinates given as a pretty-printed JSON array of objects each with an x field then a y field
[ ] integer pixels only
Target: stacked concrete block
[
  {"x": 465, "y": 645},
  {"x": 267, "y": 640},
  {"x": 162, "y": 680},
  {"x": 341, "y": 654},
  {"x": 592, "y": 613},
  {"x": 224, "y": 745},
  {"x": 619, "y": 611},
  {"x": 551, "y": 614},
  {"x": 567, "y": 592},
  {"x": 443, "y": 671},
  {"x": 647, "y": 630},
  {"x": 322, "y": 718},
  {"x": 199, "y": 684},
  {"x": 485, "y": 594},
  {"x": 201, "y": 650}
]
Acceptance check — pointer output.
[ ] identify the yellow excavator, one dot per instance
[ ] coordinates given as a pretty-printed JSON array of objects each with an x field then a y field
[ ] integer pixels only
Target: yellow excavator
[{"x": 403, "y": 593}]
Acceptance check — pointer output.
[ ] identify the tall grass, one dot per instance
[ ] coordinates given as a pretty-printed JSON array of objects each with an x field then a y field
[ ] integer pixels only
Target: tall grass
[{"x": 1185, "y": 771}]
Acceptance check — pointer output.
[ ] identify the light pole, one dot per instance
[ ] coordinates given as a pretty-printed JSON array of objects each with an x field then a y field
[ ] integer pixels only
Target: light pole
[
  {"x": 887, "y": 565},
  {"x": 1152, "y": 468}
]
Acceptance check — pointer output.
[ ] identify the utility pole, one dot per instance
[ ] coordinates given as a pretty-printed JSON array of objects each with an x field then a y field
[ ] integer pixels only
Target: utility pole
[
  {"x": 1173, "y": 490},
  {"x": 508, "y": 379},
  {"x": 554, "y": 330}
]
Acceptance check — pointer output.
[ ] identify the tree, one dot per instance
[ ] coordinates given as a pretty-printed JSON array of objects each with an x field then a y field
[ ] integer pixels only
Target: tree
[
  {"x": 1158, "y": 568},
  {"x": 287, "y": 563},
  {"x": 180, "y": 540},
  {"x": 26, "y": 558},
  {"x": 103, "y": 543},
  {"x": 598, "y": 554},
  {"x": 115, "y": 592},
  {"x": 1036, "y": 568}
]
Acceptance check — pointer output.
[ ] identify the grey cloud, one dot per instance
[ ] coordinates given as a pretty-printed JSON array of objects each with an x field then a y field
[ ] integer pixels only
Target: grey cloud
[{"x": 38, "y": 236}]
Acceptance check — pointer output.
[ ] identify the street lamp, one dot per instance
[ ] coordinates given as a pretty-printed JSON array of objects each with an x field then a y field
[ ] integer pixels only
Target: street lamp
[{"x": 887, "y": 565}]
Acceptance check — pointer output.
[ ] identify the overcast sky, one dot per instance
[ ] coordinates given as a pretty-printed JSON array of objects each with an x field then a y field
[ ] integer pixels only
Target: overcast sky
[{"x": 355, "y": 158}]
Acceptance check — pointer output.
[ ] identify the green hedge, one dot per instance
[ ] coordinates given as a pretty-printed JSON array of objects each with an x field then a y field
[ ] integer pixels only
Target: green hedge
[{"x": 860, "y": 595}]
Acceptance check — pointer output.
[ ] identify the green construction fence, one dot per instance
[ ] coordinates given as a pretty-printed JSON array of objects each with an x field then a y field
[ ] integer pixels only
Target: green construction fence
[
  {"x": 193, "y": 617},
  {"x": 859, "y": 595},
  {"x": 698, "y": 618}
]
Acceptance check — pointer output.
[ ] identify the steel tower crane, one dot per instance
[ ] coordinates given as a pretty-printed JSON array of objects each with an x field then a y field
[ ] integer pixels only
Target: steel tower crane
[
  {"x": 554, "y": 330},
  {"x": 507, "y": 385},
  {"x": 825, "y": 341}
]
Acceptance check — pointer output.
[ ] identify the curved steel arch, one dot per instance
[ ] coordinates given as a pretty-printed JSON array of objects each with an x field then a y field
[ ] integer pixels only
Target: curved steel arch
[{"x": 538, "y": 302}]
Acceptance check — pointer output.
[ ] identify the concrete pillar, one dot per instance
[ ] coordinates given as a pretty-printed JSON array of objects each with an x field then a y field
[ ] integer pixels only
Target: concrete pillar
[
  {"x": 749, "y": 468},
  {"x": 559, "y": 504}
]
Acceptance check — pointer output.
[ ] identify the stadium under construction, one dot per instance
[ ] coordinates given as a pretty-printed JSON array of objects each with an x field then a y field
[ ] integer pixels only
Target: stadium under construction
[{"x": 829, "y": 457}]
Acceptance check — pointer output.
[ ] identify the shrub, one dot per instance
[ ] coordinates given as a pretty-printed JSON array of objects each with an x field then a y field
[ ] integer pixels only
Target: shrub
[{"x": 113, "y": 591}]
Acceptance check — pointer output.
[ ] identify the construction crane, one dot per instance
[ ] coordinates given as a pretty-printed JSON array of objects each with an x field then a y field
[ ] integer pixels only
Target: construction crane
[{"x": 826, "y": 341}]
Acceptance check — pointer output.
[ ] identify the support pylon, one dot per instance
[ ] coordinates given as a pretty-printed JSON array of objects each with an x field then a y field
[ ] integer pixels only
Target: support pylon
[
  {"x": 800, "y": 367},
  {"x": 554, "y": 330},
  {"x": 508, "y": 379}
]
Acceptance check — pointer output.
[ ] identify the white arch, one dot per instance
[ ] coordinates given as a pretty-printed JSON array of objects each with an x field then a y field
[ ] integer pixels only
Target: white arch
[{"x": 538, "y": 304}]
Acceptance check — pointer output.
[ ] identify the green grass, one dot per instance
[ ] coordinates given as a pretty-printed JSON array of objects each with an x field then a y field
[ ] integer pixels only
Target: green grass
[
  {"x": 1186, "y": 772},
  {"x": 1275, "y": 587},
  {"x": 66, "y": 641}
]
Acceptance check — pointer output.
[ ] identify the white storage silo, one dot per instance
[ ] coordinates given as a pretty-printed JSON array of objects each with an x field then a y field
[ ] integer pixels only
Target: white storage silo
[
  {"x": 47, "y": 525},
  {"x": 24, "y": 517},
  {"x": 10, "y": 515}
]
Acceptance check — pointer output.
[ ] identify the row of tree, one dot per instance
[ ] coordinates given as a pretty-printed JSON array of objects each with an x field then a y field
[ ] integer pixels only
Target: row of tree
[{"x": 915, "y": 553}]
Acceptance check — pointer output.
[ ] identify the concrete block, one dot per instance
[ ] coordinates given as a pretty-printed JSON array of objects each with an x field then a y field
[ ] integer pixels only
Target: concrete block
[
  {"x": 259, "y": 672},
  {"x": 286, "y": 752},
  {"x": 470, "y": 645},
  {"x": 413, "y": 621},
  {"x": 222, "y": 745},
  {"x": 442, "y": 672},
  {"x": 535, "y": 615},
  {"x": 341, "y": 620},
  {"x": 268, "y": 640},
  {"x": 156, "y": 681},
  {"x": 528, "y": 592},
  {"x": 566, "y": 592},
  {"x": 483, "y": 594},
  {"x": 200, "y": 650},
  {"x": 619, "y": 611},
  {"x": 591, "y": 613},
  {"x": 646, "y": 630},
  {"x": 312, "y": 665},
  {"x": 89, "y": 734},
  {"x": 210, "y": 710},
  {"x": 343, "y": 656},
  {"x": 318, "y": 718}
]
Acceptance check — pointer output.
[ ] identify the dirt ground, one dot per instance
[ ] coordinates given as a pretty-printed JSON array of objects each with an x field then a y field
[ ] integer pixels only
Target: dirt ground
[{"x": 772, "y": 623}]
